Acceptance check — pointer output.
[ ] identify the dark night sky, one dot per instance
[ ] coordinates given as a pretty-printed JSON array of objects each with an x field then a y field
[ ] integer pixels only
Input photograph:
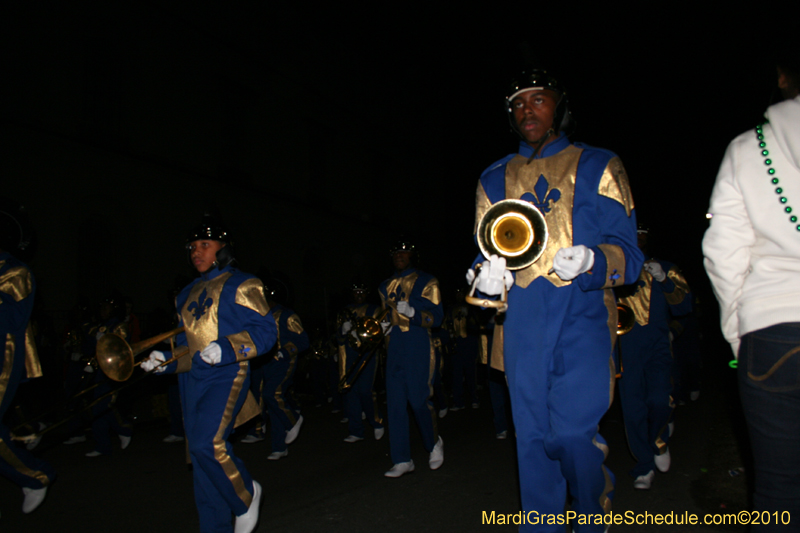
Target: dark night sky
[{"x": 666, "y": 92}]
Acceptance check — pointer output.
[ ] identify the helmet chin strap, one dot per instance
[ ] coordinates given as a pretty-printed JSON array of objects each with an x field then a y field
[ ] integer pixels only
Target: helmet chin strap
[{"x": 539, "y": 144}]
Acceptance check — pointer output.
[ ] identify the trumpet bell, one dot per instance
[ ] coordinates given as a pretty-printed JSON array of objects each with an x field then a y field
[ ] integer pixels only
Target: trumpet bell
[
  {"x": 515, "y": 230},
  {"x": 115, "y": 357}
]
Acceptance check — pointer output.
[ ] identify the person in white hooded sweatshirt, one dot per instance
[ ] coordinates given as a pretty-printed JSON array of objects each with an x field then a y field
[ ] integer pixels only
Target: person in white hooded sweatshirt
[{"x": 752, "y": 256}]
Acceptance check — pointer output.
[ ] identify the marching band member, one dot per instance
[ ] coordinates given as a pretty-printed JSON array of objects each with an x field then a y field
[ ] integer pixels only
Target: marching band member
[
  {"x": 285, "y": 417},
  {"x": 227, "y": 323},
  {"x": 20, "y": 361},
  {"x": 416, "y": 307},
  {"x": 646, "y": 391},
  {"x": 361, "y": 396},
  {"x": 560, "y": 325}
]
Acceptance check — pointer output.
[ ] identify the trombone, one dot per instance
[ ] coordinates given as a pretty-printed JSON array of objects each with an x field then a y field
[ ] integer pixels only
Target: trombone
[
  {"x": 513, "y": 229},
  {"x": 115, "y": 358},
  {"x": 364, "y": 338}
]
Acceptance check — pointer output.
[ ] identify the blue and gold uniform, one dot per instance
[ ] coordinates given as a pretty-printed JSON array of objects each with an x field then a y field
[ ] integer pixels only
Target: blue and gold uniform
[
  {"x": 462, "y": 322},
  {"x": 411, "y": 358},
  {"x": 105, "y": 415},
  {"x": 278, "y": 373},
  {"x": 228, "y": 307},
  {"x": 18, "y": 361},
  {"x": 646, "y": 386},
  {"x": 361, "y": 397},
  {"x": 558, "y": 336}
]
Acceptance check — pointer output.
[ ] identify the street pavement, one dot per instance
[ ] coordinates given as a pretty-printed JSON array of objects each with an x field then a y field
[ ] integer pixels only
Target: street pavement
[{"x": 327, "y": 485}]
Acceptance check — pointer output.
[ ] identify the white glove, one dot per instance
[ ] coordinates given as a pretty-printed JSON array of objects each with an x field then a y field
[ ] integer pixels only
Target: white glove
[
  {"x": 405, "y": 309},
  {"x": 88, "y": 369},
  {"x": 347, "y": 326},
  {"x": 571, "y": 262},
  {"x": 76, "y": 356},
  {"x": 154, "y": 361},
  {"x": 212, "y": 354},
  {"x": 492, "y": 276},
  {"x": 655, "y": 270},
  {"x": 385, "y": 326}
]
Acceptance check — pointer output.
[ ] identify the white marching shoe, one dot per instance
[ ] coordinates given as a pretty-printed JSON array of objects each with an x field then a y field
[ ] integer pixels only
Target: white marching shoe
[
  {"x": 33, "y": 498},
  {"x": 248, "y": 521},
  {"x": 437, "y": 455},
  {"x": 353, "y": 438},
  {"x": 379, "y": 433},
  {"x": 644, "y": 482},
  {"x": 663, "y": 461},
  {"x": 292, "y": 434},
  {"x": 399, "y": 469},
  {"x": 274, "y": 456}
]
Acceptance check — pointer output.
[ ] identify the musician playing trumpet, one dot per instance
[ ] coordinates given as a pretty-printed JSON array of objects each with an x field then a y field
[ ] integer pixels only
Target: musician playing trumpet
[
  {"x": 227, "y": 323},
  {"x": 560, "y": 325}
]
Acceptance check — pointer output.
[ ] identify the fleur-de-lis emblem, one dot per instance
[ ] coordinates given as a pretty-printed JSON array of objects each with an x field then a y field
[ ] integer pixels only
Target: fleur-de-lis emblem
[
  {"x": 199, "y": 307},
  {"x": 614, "y": 277},
  {"x": 544, "y": 197},
  {"x": 244, "y": 350},
  {"x": 397, "y": 296}
]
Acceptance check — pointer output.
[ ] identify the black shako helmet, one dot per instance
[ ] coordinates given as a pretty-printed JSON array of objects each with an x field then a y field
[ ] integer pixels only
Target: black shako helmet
[
  {"x": 211, "y": 230},
  {"x": 535, "y": 78}
]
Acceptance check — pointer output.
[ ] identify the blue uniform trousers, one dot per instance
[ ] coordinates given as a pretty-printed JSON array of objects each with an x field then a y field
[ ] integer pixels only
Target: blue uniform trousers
[
  {"x": 106, "y": 418},
  {"x": 560, "y": 375},
  {"x": 212, "y": 396},
  {"x": 464, "y": 371},
  {"x": 409, "y": 377},
  {"x": 282, "y": 415},
  {"x": 16, "y": 463},
  {"x": 645, "y": 392},
  {"x": 361, "y": 398}
]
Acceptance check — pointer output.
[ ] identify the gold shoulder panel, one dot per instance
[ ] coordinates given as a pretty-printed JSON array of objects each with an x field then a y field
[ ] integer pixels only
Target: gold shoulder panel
[
  {"x": 482, "y": 204},
  {"x": 122, "y": 329},
  {"x": 681, "y": 286},
  {"x": 16, "y": 282},
  {"x": 250, "y": 294},
  {"x": 431, "y": 291},
  {"x": 639, "y": 302},
  {"x": 294, "y": 325},
  {"x": 614, "y": 184}
]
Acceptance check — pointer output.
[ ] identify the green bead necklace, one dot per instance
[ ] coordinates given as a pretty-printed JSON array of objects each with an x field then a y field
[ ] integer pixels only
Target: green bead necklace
[{"x": 771, "y": 172}]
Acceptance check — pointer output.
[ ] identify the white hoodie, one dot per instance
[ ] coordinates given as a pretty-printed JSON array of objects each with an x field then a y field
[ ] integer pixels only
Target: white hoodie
[{"x": 751, "y": 248}]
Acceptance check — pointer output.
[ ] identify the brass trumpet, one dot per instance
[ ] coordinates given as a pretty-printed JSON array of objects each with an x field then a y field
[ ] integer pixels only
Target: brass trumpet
[
  {"x": 364, "y": 338},
  {"x": 513, "y": 229}
]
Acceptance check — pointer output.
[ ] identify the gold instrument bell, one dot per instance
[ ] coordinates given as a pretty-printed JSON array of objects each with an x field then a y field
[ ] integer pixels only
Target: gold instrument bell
[
  {"x": 513, "y": 229},
  {"x": 115, "y": 355}
]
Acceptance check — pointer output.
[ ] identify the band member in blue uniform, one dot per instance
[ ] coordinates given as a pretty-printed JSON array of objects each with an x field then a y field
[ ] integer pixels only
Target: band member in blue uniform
[
  {"x": 20, "y": 361},
  {"x": 285, "y": 418},
  {"x": 463, "y": 324},
  {"x": 106, "y": 416},
  {"x": 361, "y": 396},
  {"x": 416, "y": 306},
  {"x": 227, "y": 323},
  {"x": 660, "y": 293},
  {"x": 560, "y": 326}
]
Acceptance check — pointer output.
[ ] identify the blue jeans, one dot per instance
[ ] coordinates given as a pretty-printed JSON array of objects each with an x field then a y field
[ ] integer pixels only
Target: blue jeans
[{"x": 769, "y": 386}]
